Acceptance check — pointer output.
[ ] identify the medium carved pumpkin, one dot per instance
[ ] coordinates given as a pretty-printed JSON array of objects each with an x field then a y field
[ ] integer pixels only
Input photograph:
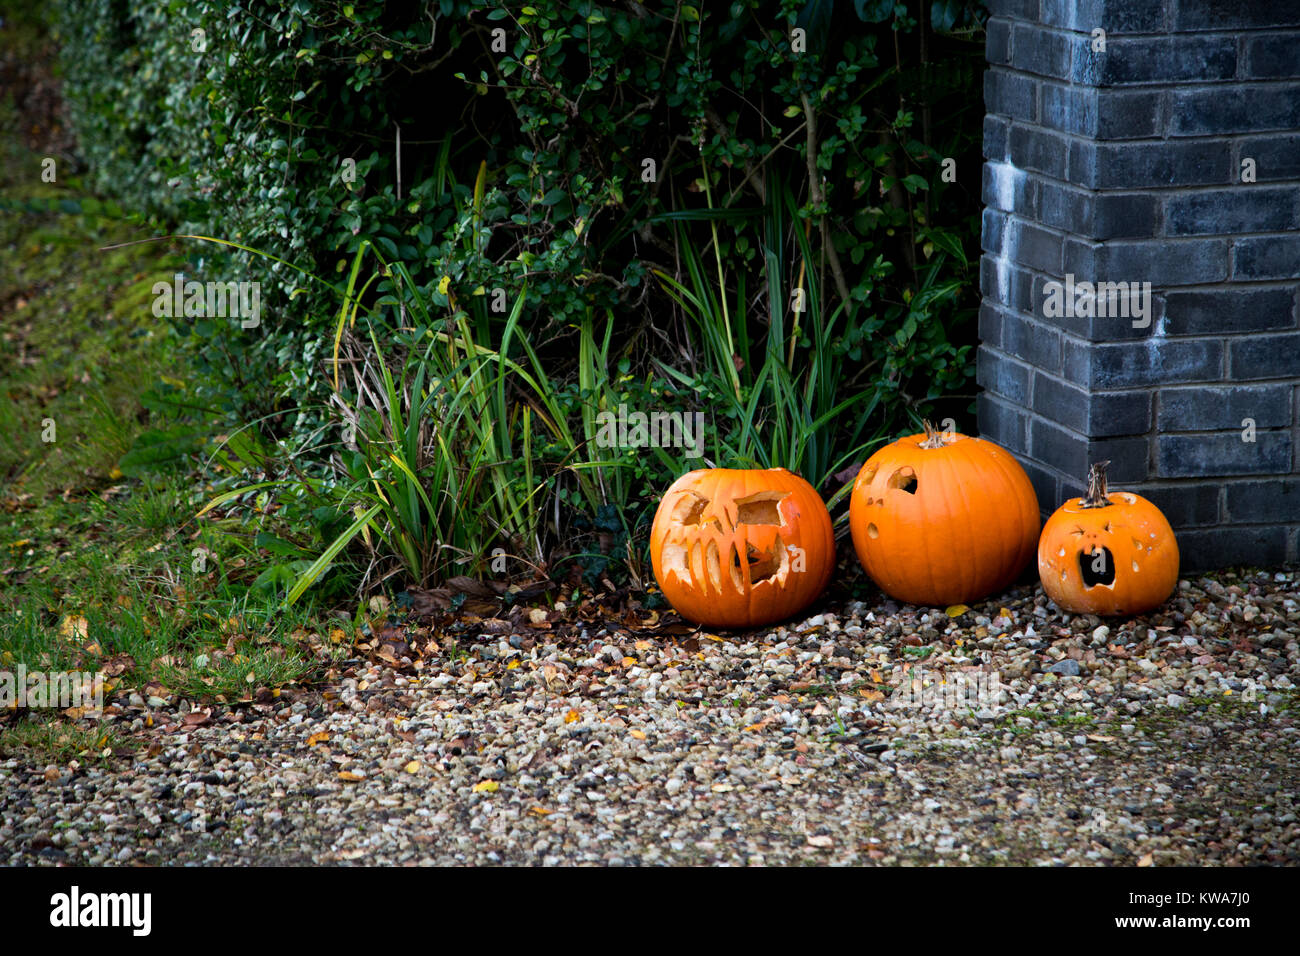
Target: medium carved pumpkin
[
  {"x": 943, "y": 518},
  {"x": 1108, "y": 553},
  {"x": 741, "y": 548}
]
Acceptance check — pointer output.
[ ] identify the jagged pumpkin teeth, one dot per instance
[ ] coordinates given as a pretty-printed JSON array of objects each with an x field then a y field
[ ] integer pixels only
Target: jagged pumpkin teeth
[{"x": 769, "y": 552}]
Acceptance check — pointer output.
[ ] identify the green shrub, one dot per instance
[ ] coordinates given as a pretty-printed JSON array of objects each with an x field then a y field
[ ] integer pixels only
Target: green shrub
[{"x": 679, "y": 169}]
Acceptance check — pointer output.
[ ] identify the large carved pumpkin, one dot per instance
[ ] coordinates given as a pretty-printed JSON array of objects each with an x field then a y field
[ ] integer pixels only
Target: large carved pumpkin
[
  {"x": 943, "y": 518},
  {"x": 740, "y": 548},
  {"x": 1108, "y": 553}
]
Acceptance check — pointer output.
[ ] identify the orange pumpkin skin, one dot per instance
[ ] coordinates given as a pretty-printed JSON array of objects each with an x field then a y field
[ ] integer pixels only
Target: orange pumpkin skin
[
  {"x": 1142, "y": 549},
  {"x": 741, "y": 548},
  {"x": 966, "y": 529}
]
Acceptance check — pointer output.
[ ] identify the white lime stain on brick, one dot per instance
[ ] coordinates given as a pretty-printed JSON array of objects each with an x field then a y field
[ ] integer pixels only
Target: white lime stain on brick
[{"x": 1008, "y": 188}]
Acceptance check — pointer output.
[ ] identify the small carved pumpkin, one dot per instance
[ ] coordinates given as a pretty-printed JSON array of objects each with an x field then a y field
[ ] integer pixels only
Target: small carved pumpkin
[
  {"x": 741, "y": 548},
  {"x": 1107, "y": 553},
  {"x": 943, "y": 518}
]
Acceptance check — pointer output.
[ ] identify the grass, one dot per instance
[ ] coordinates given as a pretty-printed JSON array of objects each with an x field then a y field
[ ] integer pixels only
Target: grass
[
  {"x": 59, "y": 741},
  {"x": 95, "y": 565}
]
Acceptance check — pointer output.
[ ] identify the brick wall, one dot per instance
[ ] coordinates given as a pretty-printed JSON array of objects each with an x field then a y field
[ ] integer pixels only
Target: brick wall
[{"x": 1126, "y": 165}]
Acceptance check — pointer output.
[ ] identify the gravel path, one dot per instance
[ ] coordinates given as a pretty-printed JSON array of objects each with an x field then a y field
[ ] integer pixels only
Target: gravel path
[{"x": 1172, "y": 740}]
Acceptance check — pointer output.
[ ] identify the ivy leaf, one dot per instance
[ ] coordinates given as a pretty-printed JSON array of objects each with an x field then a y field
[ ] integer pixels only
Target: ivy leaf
[{"x": 874, "y": 11}]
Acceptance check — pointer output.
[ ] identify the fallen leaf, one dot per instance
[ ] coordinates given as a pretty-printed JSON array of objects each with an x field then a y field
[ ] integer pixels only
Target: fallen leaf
[
  {"x": 572, "y": 717},
  {"x": 639, "y": 735},
  {"x": 351, "y": 777},
  {"x": 318, "y": 738},
  {"x": 487, "y": 786},
  {"x": 1146, "y": 860},
  {"x": 413, "y": 767},
  {"x": 957, "y": 610},
  {"x": 74, "y": 627}
]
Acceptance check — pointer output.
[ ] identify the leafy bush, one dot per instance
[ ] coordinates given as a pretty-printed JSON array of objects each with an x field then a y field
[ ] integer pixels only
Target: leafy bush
[{"x": 677, "y": 170}]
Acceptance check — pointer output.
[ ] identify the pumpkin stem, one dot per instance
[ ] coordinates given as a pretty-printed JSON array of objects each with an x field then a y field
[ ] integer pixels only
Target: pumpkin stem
[
  {"x": 933, "y": 439},
  {"x": 1096, "y": 496}
]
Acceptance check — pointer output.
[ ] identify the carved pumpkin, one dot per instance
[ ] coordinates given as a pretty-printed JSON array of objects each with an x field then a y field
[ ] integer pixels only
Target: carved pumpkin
[
  {"x": 943, "y": 518},
  {"x": 739, "y": 548},
  {"x": 1108, "y": 553}
]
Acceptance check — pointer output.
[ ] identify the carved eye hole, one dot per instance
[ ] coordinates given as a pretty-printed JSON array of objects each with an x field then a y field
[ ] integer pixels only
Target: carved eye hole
[
  {"x": 760, "y": 508},
  {"x": 689, "y": 508},
  {"x": 904, "y": 479}
]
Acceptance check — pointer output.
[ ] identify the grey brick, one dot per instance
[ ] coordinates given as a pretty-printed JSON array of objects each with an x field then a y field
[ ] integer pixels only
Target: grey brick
[
  {"x": 1119, "y": 413},
  {"x": 1166, "y": 59},
  {"x": 1113, "y": 326},
  {"x": 1002, "y": 422},
  {"x": 1185, "y": 262},
  {"x": 1034, "y": 246},
  {"x": 1019, "y": 9},
  {"x": 1081, "y": 15},
  {"x": 998, "y": 373},
  {"x": 1265, "y": 356},
  {"x": 1066, "y": 208},
  {"x": 1235, "y": 109},
  {"x": 1266, "y": 257},
  {"x": 1095, "y": 415},
  {"x": 990, "y": 325},
  {"x": 1186, "y": 504},
  {"x": 1214, "y": 408},
  {"x": 1272, "y": 56},
  {"x": 1228, "y": 211},
  {"x": 1071, "y": 109},
  {"x": 1047, "y": 485},
  {"x": 1228, "y": 311},
  {"x": 1018, "y": 281},
  {"x": 1277, "y": 500},
  {"x": 1129, "y": 16},
  {"x": 1035, "y": 50},
  {"x": 1058, "y": 448},
  {"x": 1139, "y": 165},
  {"x": 1129, "y": 115},
  {"x": 1253, "y": 545},
  {"x": 1276, "y": 157},
  {"x": 1035, "y": 342},
  {"x": 1129, "y": 458},
  {"x": 1223, "y": 453},
  {"x": 1039, "y": 150},
  {"x": 997, "y": 40},
  {"x": 1229, "y": 15},
  {"x": 1143, "y": 364},
  {"x": 1010, "y": 190},
  {"x": 996, "y": 129},
  {"x": 1011, "y": 94},
  {"x": 1061, "y": 403},
  {"x": 994, "y": 224},
  {"x": 1125, "y": 216}
]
